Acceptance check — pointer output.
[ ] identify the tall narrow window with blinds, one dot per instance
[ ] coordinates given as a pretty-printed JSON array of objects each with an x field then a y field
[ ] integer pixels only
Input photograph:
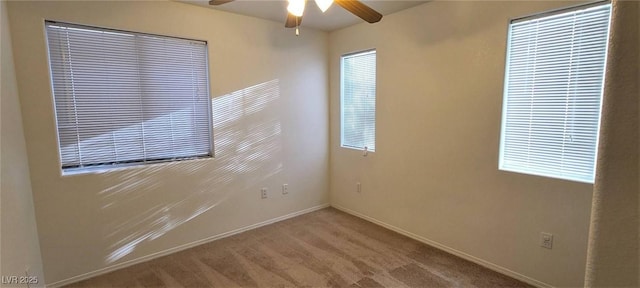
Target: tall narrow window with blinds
[
  {"x": 123, "y": 98},
  {"x": 553, "y": 93},
  {"x": 358, "y": 100}
]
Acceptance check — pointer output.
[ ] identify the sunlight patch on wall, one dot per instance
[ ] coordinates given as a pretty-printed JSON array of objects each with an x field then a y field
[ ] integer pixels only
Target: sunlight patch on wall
[{"x": 248, "y": 149}]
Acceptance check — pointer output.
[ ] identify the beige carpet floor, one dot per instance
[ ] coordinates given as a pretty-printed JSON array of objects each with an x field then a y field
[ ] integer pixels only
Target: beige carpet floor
[{"x": 325, "y": 248}]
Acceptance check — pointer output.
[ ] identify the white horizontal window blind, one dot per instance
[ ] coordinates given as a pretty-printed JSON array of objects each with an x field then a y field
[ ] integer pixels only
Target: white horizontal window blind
[
  {"x": 358, "y": 93},
  {"x": 123, "y": 97},
  {"x": 553, "y": 93}
]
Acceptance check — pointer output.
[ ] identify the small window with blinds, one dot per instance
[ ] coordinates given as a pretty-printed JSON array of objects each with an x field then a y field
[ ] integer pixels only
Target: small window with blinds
[
  {"x": 124, "y": 98},
  {"x": 553, "y": 93},
  {"x": 358, "y": 100}
]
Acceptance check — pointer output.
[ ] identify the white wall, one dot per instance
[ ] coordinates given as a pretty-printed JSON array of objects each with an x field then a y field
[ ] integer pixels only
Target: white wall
[
  {"x": 274, "y": 133},
  {"x": 614, "y": 241},
  {"x": 19, "y": 244},
  {"x": 435, "y": 170}
]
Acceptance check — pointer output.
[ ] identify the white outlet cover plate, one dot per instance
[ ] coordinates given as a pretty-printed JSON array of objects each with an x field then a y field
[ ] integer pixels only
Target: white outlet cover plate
[{"x": 546, "y": 240}]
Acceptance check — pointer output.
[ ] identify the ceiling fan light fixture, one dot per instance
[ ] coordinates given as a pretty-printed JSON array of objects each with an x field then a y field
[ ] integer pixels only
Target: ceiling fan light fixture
[
  {"x": 324, "y": 4},
  {"x": 296, "y": 7}
]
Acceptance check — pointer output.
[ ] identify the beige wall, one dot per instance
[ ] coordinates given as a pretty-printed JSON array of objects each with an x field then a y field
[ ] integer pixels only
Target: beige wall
[
  {"x": 614, "y": 240},
  {"x": 19, "y": 244},
  {"x": 272, "y": 134},
  {"x": 435, "y": 170}
]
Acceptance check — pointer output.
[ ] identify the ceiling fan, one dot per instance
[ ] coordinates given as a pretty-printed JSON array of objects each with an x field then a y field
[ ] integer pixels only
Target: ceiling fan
[{"x": 296, "y": 9}]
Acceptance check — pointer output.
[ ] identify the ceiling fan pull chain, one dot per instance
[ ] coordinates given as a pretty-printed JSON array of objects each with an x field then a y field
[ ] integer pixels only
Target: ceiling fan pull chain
[{"x": 297, "y": 27}]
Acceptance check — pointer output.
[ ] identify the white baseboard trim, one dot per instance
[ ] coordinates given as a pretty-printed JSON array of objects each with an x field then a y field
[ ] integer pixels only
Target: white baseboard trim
[
  {"x": 445, "y": 248},
  {"x": 180, "y": 248}
]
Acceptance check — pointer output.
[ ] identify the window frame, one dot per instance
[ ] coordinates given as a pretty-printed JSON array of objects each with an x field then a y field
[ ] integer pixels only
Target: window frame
[
  {"x": 342, "y": 112},
  {"x": 114, "y": 166}
]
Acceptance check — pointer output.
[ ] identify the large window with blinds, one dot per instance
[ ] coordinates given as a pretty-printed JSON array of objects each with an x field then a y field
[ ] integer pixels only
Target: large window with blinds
[
  {"x": 125, "y": 98},
  {"x": 358, "y": 100},
  {"x": 553, "y": 92}
]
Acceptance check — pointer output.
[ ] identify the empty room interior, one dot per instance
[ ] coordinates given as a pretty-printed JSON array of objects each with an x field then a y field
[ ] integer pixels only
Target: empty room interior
[{"x": 320, "y": 143}]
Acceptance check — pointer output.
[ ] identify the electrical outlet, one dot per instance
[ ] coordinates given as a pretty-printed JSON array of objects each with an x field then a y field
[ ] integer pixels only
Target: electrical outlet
[
  {"x": 263, "y": 193},
  {"x": 358, "y": 187},
  {"x": 285, "y": 189},
  {"x": 546, "y": 240}
]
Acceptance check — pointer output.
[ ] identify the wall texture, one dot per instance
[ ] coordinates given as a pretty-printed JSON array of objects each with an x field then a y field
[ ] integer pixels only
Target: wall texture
[
  {"x": 614, "y": 240},
  {"x": 435, "y": 170},
  {"x": 269, "y": 95},
  {"x": 19, "y": 246}
]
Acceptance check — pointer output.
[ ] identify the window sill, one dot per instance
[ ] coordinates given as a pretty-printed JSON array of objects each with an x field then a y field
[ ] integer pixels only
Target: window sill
[{"x": 101, "y": 169}]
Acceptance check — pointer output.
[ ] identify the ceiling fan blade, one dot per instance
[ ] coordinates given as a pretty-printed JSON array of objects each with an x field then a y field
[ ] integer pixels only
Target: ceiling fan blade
[
  {"x": 291, "y": 21},
  {"x": 361, "y": 10},
  {"x": 219, "y": 2}
]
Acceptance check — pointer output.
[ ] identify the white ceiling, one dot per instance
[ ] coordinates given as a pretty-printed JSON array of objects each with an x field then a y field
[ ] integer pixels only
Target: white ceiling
[{"x": 332, "y": 19}]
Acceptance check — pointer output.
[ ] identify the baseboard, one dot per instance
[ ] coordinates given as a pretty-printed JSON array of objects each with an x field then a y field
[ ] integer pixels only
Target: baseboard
[
  {"x": 445, "y": 248},
  {"x": 179, "y": 248}
]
